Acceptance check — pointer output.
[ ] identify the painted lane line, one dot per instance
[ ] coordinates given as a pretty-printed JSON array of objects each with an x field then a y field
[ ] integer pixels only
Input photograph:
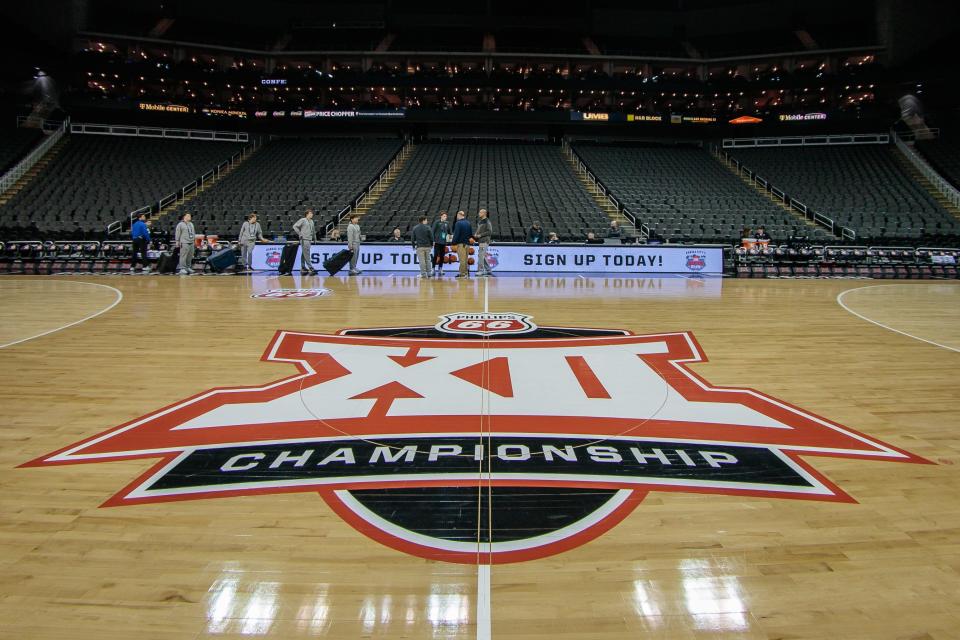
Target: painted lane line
[
  {"x": 880, "y": 324},
  {"x": 483, "y": 602},
  {"x": 483, "y": 568},
  {"x": 73, "y": 324}
]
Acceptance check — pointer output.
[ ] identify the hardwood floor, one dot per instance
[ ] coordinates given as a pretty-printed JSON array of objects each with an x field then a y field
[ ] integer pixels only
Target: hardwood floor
[{"x": 675, "y": 561}]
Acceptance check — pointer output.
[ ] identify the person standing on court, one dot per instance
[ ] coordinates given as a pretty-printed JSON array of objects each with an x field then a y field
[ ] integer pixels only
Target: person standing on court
[
  {"x": 483, "y": 235},
  {"x": 250, "y": 233},
  {"x": 353, "y": 243},
  {"x": 422, "y": 237},
  {"x": 307, "y": 232},
  {"x": 184, "y": 237},
  {"x": 462, "y": 232},
  {"x": 441, "y": 235},
  {"x": 140, "y": 234}
]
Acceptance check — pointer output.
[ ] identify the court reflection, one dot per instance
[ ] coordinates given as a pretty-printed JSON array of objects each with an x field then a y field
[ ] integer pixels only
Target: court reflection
[
  {"x": 517, "y": 285},
  {"x": 715, "y": 603},
  {"x": 313, "y": 616},
  {"x": 234, "y": 607},
  {"x": 240, "y": 603}
]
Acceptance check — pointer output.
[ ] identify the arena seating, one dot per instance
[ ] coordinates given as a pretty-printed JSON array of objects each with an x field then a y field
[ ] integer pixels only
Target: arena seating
[
  {"x": 517, "y": 182},
  {"x": 16, "y": 143},
  {"x": 943, "y": 155},
  {"x": 95, "y": 180},
  {"x": 684, "y": 194},
  {"x": 286, "y": 177},
  {"x": 862, "y": 187}
]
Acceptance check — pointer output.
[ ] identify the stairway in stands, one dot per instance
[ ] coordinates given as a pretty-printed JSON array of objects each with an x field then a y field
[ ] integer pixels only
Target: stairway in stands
[
  {"x": 34, "y": 171},
  {"x": 178, "y": 206},
  {"x": 374, "y": 194},
  {"x": 611, "y": 210},
  {"x": 766, "y": 194},
  {"x": 920, "y": 179}
]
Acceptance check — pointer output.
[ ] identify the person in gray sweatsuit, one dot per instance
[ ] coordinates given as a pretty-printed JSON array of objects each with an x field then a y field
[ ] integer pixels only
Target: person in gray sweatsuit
[
  {"x": 183, "y": 239},
  {"x": 250, "y": 232},
  {"x": 307, "y": 232},
  {"x": 422, "y": 237},
  {"x": 483, "y": 235},
  {"x": 353, "y": 243}
]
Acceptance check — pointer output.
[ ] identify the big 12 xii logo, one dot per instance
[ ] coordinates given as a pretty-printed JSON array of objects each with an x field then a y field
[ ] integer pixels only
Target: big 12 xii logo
[{"x": 482, "y": 428}]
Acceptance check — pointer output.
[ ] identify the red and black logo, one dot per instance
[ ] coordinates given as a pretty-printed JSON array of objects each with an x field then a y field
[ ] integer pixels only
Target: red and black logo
[
  {"x": 528, "y": 440},
  {"x": 282, "y": 294},
  {"x": 696, "y": 260}
]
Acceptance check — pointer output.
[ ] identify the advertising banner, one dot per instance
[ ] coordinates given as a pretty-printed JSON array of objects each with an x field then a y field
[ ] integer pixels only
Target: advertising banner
[{"x": 618, "y": 259}]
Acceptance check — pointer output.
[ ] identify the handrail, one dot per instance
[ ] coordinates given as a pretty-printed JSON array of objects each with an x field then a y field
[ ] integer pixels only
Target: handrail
[
  {"x": 378, "y": 181},
  {"x": 818, "y": 218},
  {"x": 492, "y": 55},
  {"x": 919, "y": 162},
  {"x": 807, "y": 141},
  {"x": 872, "y": 255},
  {"x": 926, "y": 133},
  {"x": 643, "y": 231},
  {"x": 208, "y": 135},
  {"x": 18, "y": 170},
  {"x": 45, "y": 125},
  {"x": 195, "y": 185}
]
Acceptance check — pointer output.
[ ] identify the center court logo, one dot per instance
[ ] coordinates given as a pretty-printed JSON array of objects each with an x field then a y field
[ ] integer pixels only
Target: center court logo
[
  {"x": 276, "y": 294},
  {"x": 432, "y": 439},
  {"x": 485, "y": 324}
]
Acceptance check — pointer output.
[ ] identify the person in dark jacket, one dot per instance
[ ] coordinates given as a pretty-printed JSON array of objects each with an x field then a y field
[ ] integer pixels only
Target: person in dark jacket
[
  {"x": 535, "y": 234},
  {"x": 441, "y": 236},
  {"x": 614, "y": 231},
  {"x": 761, "y": 234},
  {"x": 422, "y": 237},
  {"x": 462, "y": 232},
  {"x": 592, "y": 238},
  {"x": 484, "y": 235},
  {"x": 553, "y": 238},
  {"x": 396, "y": 236},
  {"x": 140, "y": 234}
]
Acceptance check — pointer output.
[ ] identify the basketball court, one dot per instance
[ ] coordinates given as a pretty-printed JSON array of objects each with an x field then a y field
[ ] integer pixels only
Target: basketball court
[{"x": 531, "y": 456}]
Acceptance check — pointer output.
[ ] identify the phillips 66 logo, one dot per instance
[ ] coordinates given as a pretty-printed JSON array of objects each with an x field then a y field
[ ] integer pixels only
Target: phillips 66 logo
[{"x": 486, "y": 324}]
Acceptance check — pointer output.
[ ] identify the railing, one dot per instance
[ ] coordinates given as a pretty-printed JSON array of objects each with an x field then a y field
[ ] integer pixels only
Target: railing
[
  {"x": 10, "y": 177},
  {"x": 643, "y": 231},
  {"x": 918, "y": 134},
  {"x": 919, "y": 162},
  {"x": 48, "y": 126},
  {"x": 159, "y": 132},
  {"x": 377, "y": 182},
  {"x": 874, "y": 255},
  {"x": 817, "y": 218},
  {"x": 807, "y": 141},
  {"x": 180, "y": 194}
]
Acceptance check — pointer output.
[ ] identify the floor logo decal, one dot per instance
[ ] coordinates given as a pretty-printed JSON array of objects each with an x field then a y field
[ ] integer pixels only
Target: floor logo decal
[
  {"x": 277, "y": 294},
  {"x": 483, "y": 428}
]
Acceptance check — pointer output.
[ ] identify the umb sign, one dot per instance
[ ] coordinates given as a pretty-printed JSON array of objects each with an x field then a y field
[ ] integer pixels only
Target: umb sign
[{"x": 501, "y": 439}]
